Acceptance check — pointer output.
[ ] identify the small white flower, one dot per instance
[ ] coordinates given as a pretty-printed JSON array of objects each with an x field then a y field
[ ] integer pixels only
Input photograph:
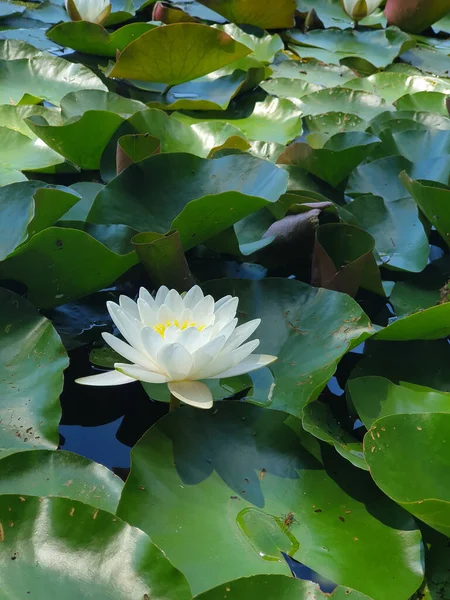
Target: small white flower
[
  {"x": 95, "y": 11},
  {"x": 359, "y": 9},
  {"x": 179, "y": 340}
]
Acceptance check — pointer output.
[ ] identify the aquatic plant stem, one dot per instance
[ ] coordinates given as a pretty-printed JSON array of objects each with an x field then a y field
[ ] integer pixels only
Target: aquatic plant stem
[{"x": 174, "y": 403}]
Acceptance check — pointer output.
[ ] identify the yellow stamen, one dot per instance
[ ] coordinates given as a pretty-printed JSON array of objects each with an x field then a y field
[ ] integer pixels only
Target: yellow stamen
[{"x": 161, "y": 327}]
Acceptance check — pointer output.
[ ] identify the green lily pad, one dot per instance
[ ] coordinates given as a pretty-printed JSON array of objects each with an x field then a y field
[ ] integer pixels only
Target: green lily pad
[
  {"x": 59, "y": 264},
  {"x": 430, "y": 324},
  {"x": 427, "y": 60},
  {"x": 88, "y": 191},
  {"x": 91, "y": 38},
  {"x": 7, "y": 9},
  {"x": 396, "y": 120},
  {"x": 313, "y": 71},
  {"x": 433, "y": 200},
  {"x": 319, "y": 421},
  {"x": 344, "y": 261},
  {"x": 392, "y": 86},
  {"x": 271, "y": 120},
  {"x": 13, "y": 116},
  {"x": 415, "y": 145},
  {"x": 225, "y": 484},
  {"x": 45, "y": 77},
  {"x": 32, "y": 363},
  {"x": 60, "y": 474},
  {"x": 28, "y": 207},
  {"x": 18, "y": 151},
  {"x": 263, "y": 45},
  {"x": 340, "y": 155},
  {"x": 400, "y": 239},
  {"x": 323, "y": 127},
  {"x": 81, "y": 141},
  {"x": 365, "y": 105},
  {"x": 267, "y": 586},
  {"x": 200, "y": 94},
  {"x": 332, "y": 14},
  {"x": 261, "y": 13},
  {"x": 242, "y": 181},
  {"x": 433, "y": 102},
  {"x": 377, "y": 397},
  {"x": 421, "y": 488},
  {"x": 289, "y": 87},
  {"x": 98, "y": 554},
  {"x": 76, "y": 104},
  {"x": 379, "y": 47},
  {"x": 309, "y": 329},
  {"x": 191, "y": 50},
  {"x": 198, "y": 138},
  {"x": 8, "y": 176}
]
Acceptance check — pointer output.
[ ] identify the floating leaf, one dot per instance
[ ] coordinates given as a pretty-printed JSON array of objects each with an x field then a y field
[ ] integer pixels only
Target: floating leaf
[
  {"x": 18, "y": 151},
  {"x": 76, "y": 104},
  {"x": 190, "y": 50},
  {"x": 260, "y": 586},
  {"x": 61, "y": 474},
  {"x": 32, "y": 360},
  {"x": 92, "y": 38},
  {"x": 309, "y": 329},
  {"x": 214, "y": 464},
  {"x": 244, "y": 184},
  {"x": 261, "y": 13},
  {"x": 336, "y": 160},
  {"x": 264, "y": 46},
  {"x": 44, "y": 77},
  {"x": 58, "y": 265},
  {"x": 363, "y": 104},
  {"x": 430, "y": 324},
  {"x": 98, "y": 554}
]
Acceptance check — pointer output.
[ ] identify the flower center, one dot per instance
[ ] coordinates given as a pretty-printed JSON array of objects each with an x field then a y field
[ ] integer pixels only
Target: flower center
[{"x": 161, "y": 327}]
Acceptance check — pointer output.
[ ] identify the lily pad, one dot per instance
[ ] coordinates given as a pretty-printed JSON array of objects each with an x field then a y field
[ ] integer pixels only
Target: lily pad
[
  {"x": 32, "y": 363},
  {"x": 98, "y": 554},
  {"x": 222, "y": 481},
  {"x": 92, "y": 38},
  {"x": 429, "y": 324},
  {"x": 309, "y": 329},
  {"x": 238, "y": 179},
  {"x": 365, "y": 105},
  {"x": 336, "y": 160},
  {"x": 59, "y": 264},
  {"x": 82, "y": 141},
  {"x": 264, "y": 46},
  {"x": 262, "y": 13},
  {"x": 392, "y": 86},
  {"x": 60, "y": 474},
  {"x": 400, "y": 239},
  {"x": 270, "y": 120},
  {"x": 191, "y": 50},
  {"x": 422, "y": 488},
  {"x": 260, "y": 586},
  {"x": 45, "y": 77},
  {"x": 379, "y": 47},
  {"x": 313, "y": 71},
  {"x": 20, "y": 152},
  {"x": 75, "y": 104}
]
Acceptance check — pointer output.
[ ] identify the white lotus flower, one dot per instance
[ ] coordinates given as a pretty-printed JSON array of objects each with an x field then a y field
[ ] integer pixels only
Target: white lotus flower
[
  {"x": 359, "y": 9},
  {"x": 95, "y": 11},
  {"x": 179, "y": 340}
]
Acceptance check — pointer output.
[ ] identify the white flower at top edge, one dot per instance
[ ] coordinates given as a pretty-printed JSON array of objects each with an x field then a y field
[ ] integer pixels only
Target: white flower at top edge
[
  {"x": 180, "y": 340},
  {"x": 95, "y": 11},
  {"x": 359, "y": 9}
]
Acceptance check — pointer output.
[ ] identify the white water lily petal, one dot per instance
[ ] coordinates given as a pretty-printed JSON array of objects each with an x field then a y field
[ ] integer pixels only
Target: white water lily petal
[
  {"x": 223, "y": 362},
  {"x": 193, "y": 297},
  {"x": 359, "y": 9},
  {"x": 203, "y": 310},
  {"x": 175, "y": 360},
  {"x": 207, "y": 353},
  {"x": 140, "y": 374},
  {"x": 241, "y": 333},
  {"x": 227, "y": 311},
  {"x": 194, "y": 393},
  {"x": 129, "y": 352},
  {"x": 249, "y": 364},
  {"x": 148, "y": 298},
  {"x": 128, "y": 305},
  {"x": 222, "y": 301},
  {"x": 152, "y": 342},
  {"x": 129, "y": 327},
  {"x": 174, "y": 302},
  {"x": 190, "y": 338},
  {"x": 148, "y": 314},
  {"x": 161, "y": 295},
  {"x": 108, "y": 378}
]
